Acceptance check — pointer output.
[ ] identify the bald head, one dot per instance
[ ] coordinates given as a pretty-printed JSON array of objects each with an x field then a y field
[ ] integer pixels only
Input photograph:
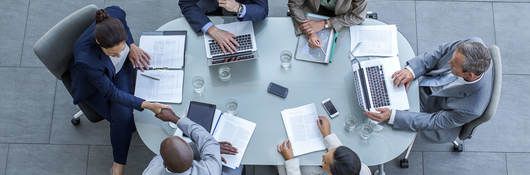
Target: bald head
[{"x": 177, "y": 154}]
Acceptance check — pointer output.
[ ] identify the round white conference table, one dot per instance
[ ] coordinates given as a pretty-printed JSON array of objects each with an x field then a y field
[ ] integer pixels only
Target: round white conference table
[{"x": 307, "y": 82}]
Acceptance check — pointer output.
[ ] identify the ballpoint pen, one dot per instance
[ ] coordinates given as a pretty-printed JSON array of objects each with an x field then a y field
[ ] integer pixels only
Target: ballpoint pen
[{"x": 151, "y": 77}]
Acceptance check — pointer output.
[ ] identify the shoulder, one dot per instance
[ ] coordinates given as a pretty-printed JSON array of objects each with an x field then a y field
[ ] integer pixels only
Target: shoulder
[{"x": 116, "y": 12}]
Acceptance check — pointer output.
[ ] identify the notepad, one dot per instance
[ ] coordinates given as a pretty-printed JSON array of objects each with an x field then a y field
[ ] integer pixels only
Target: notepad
[
  {"x": 302, "y": 129},
  {"x": 163, "y": 81},
  {"x": 318, "y": 55},
  {"x": 374, "y": 40},
  {"x": 235, "y": 130}
]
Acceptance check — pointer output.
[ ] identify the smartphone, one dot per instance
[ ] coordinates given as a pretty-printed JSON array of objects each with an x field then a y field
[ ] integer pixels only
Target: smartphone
[
  {"x": 277, "y": 90},
  {"x": 330, "y": 108}
]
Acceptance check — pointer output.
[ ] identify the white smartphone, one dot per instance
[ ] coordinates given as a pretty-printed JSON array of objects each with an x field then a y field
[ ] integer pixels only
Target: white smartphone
[{"x": 330, "y": 108}]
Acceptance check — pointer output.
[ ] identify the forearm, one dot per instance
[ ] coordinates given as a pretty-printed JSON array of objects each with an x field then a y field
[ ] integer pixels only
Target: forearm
[
  {"x": 255, "y": 11},
  {"x": 418, "y": 121},
  {"x": 356, "y": 16},
  {"x": 297, "y": 13},
  {"x": 193, "y": 14},
  {"x": 292, "y": 167}
]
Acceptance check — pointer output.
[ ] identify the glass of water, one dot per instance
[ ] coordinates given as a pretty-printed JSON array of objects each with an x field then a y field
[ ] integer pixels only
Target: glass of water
[
  {"x": 224, "y": 73},
  {"x": 377, "y": 126},
  {"x": 231, "y": 106},
  {"x": 350, "y": 124},
  {"x": 285, "y": 58},
  {"x": 366, "y": 130},
  {"x": 198, "y": 85}
]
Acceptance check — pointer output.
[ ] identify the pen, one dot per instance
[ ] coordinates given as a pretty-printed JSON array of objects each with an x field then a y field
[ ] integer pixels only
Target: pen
[
  {"x": 322, "y": 50},
  {"x": 151, "y": 77}
]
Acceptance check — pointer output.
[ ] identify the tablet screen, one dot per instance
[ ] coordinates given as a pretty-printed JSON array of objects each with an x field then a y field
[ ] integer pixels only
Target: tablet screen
[{"x": 202, "y": 114}]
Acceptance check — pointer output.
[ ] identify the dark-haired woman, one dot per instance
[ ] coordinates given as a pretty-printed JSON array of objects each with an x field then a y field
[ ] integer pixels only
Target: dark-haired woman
[
  {"x": 339, "y": 160},
  {"x": 103, "y": 77}
]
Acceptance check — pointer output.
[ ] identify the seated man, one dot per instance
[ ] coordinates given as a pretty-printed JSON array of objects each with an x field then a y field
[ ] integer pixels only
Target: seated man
[
  {"x": 339, "y": 160},
  {"x": 177, "y": 156},
  {"x": 455, "y": 84},
  {"x": 195, "y": 12}
]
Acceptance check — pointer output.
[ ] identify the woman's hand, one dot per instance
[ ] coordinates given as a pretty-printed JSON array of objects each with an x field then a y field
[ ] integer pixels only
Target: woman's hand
[
  {"x": 286, "y": 150},
  {"x": 314, "y": 41},
  {"x": 139, "y": 58},
  {"x": 311, "y": 26},
  {"x": 155, "y": 107},
  {"x": 324, "y": 126}
]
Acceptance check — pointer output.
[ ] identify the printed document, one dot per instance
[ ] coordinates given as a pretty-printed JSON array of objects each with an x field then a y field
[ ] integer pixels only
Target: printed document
[
  {"x": 165, "y": 50},
  {"x": 235, "y": 130},
  {"x": 302, "y": 129},
  {"x": 374, "y": 40},
  {"x": 167, "y": 89}
]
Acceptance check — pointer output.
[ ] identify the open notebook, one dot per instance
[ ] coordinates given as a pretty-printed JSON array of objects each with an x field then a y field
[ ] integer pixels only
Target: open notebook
[
  {"x": 319, "y": 55},
  {"x": 374, "y": 40},
  {"x": 302, "y": 129},
  {"x": 163, "y": 81}
]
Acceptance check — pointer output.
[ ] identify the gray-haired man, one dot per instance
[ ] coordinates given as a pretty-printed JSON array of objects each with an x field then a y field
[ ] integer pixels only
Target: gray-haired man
[{"x": 455, "y": 88}]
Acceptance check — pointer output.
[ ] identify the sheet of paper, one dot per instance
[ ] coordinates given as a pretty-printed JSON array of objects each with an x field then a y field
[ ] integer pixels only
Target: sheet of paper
[
  {"x": 374, "y": 40},
  {"x": 165, "y": 50},
  {"x": 238, "y": 132},
  {"x": 302, "y": 129},
  {"x": 168, "y": 89}
]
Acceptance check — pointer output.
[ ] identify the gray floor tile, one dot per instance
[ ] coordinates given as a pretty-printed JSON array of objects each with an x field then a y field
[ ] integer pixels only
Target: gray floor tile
[
  {"x": 422, "y": 144},
  {"x": 3, "y": 158},
  {"x": 510, "y": 18},
  {"x": 469, "y": 163},
  {"x": 401, "y": 13},
  {"x": 508, "y": 130},
  {"x": 518, "y": 163},
  {"x": 264, "y": 170},
  {"x": 440, "y": 22},
  {"x": 46, "y": 159},
  {"x": 14, "y": 14},
  {"x": 100, "y": 159},
  {"x": 26, "y": 105},
  {"x": 159, "y": 13},
  {"x": 44, "y": 14},
  {"x": 63, "y": 132},
  {"x": 415, "y": 165}
]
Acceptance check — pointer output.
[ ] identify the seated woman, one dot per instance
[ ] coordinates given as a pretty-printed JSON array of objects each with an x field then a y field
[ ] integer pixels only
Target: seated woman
[
  {"x": 339, "y": 160},
  {"x": 342, "y": 13},
  {"x": 103, "y": 77}
]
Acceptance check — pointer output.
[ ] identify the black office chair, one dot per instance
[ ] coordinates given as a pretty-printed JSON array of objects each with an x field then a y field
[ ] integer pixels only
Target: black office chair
[
  {"x": 369, "y": 14},
  {"x": 55, "y": 50}
]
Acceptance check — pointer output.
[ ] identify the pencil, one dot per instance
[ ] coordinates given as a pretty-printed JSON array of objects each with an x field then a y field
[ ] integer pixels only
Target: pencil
[{"x": 151, "y": 77}]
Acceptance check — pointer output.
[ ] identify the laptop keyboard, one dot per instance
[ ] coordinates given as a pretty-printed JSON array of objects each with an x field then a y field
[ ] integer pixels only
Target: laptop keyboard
[
  {"x": 245, "y": 44},
  {"x": 378, "y": 91}
]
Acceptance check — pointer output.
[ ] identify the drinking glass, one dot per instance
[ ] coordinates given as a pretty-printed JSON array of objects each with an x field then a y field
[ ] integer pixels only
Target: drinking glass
[
  {"x": 198, "y": 85},
  {"x": 231, "y": 106},
  {"x": 366, "y": 130},
  {"x": 350, "y": 124},
  {"x": 285, "y": 58},
  {"x": 224, "y": 73}
]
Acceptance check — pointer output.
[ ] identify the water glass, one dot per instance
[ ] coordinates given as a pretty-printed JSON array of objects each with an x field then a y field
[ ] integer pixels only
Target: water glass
[
  {"x": 377, "y": 126},
  {"x": 198, "y": 85},
  {"x": 350, "y": 124},
  {"x": 224, "y": 73},
  {"x": 231, "y": 106},
  {"x": 366, "y": 130},
  {"x": 285, "y": 58}
]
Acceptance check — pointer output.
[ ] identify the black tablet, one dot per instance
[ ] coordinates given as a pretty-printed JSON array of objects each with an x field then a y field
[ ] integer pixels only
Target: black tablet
[{"x": 202, "y": 114}]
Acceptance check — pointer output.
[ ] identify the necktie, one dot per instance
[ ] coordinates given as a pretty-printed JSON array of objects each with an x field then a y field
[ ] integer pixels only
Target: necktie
[{"x": 440, "y": 80}]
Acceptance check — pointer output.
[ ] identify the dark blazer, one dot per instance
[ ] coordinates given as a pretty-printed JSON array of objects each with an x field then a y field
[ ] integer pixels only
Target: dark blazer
[
  {"x": 256, "y": 10},
  {"x": 92, "y": 72}
]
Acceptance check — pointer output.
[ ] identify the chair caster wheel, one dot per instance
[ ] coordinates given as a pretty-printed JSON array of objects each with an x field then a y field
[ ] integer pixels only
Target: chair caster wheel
[
  {"x": 458, "y": 148},
  {"x": 75, "y": 121},
  {"x": 404, "y": 163}
]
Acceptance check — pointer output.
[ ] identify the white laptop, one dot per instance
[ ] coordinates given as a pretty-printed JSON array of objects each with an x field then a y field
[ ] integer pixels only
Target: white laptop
[
  {"x": 244, "y": 32},
  {"x": 374, "y": 85}
]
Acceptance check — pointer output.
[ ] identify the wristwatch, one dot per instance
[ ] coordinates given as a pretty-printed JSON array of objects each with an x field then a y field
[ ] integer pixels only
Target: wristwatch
[
  {"x": 326, "y": 24},
  {"x": 240, "y": 10}
]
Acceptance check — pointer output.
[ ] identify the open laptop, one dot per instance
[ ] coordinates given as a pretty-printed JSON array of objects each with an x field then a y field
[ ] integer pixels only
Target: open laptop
[
  {"x": 244, "y": 32},
  {"x": 374, "y": 85}
]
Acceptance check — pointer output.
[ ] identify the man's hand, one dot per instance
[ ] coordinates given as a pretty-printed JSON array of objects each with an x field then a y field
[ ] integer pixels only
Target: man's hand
[
  {"x": 384, "y": 114},
  {"x": 139, "y": 58},
  {"x": 403, "y": 77},
  {"x": 311, "y": 26},
  {"x": 229, "y": 5},
  {"x": 324, "y": 126},
  {"x": 225, "y": 39},
  {"x": 227, "y": 148},
  {"x": 168, "y": 115},
  {"x": 314, "y": 41},
  {"x": 286, "y": 150}
]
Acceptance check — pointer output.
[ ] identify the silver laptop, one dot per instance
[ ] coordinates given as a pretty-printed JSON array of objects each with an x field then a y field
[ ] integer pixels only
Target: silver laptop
[
  {"x": 244, "y": 32},
  {"x": 374, "y": 85}
]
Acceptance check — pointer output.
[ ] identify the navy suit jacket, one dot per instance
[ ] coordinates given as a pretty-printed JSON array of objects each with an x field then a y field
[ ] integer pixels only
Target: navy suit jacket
[
  {"x": 92, "y": 72},
  {"x": 256, "y": 10}
]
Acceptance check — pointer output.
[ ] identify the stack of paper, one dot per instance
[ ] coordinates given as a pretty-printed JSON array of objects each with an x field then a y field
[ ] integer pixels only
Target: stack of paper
[
  {"x": 168, "y": 87},
  {"x": 374, "y": 40},
  {"x": 235, "y": 130},
  {"x": 302, "y": 129}
]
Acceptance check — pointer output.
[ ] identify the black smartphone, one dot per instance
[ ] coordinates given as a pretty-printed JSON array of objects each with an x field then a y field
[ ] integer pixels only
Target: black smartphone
[{"x": 277, "y": 90}]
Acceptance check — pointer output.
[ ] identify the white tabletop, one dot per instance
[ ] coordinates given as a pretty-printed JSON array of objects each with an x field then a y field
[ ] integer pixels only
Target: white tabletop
[{"x": 307, "y": 83}]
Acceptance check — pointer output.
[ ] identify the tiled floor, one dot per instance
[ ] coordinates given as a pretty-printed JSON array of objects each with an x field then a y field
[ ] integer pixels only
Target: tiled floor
[{"x": 36, "y": 136}]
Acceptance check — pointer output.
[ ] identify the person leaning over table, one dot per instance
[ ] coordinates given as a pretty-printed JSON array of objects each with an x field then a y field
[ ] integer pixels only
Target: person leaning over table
[
  {"x": 103, "y": 77},
  {"x": 177, "y": 156},
  {"x": 342, "y": 13},
  {"x": 455, "y": 84},
  {"x": 339, "y": 160},
  {"x": 195, "y": 12}
]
